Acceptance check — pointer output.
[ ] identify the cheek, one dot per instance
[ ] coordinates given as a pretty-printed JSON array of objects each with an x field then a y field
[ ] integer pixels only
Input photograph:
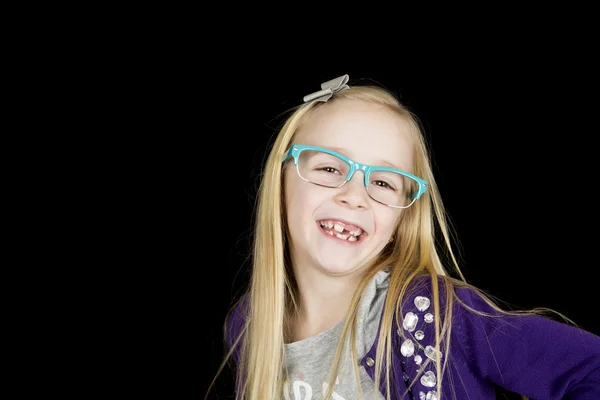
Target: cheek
[
  {"x": 296, "y": 198},
  {"x": 290, "y": 191},
  {"x": 302, "y": 200},
  {"x": 289, "y": 187},
  {"x": 387, "y": 220},
  {"x": 299, "y": 199}
]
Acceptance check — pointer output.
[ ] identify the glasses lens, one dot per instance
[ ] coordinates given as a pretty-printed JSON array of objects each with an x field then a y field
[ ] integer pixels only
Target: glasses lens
[
  {"x": 322, "y": 168},
  {"x": 392, "y": 188}
]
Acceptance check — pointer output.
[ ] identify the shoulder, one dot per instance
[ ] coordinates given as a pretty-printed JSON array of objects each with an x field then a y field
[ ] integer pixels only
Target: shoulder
[
  {"x": 415, "y": 329},
  {"x": 421, "y": 293},
  {"x": 460, "y": 307},
  {"x": 416, "y": 317}
]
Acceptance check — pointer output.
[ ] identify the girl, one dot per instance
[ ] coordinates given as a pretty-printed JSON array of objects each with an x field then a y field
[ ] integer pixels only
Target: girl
[{"x": 355, "y": 290}]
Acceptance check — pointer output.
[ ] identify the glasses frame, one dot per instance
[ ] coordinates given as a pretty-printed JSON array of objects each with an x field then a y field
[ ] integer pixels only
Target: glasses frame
[{"x": 295, "y": 150}]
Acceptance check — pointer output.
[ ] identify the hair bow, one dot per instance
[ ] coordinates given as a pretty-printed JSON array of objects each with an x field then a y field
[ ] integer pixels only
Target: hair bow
[{"x": 328, "y": 89}]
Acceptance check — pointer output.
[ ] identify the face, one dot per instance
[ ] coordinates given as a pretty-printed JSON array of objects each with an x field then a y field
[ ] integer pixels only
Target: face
[{"x": 365, "y": 133}]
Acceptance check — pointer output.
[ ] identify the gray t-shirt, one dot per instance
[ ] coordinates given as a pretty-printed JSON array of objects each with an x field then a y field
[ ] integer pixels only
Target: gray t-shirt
[{"x": 309, "y": 360}]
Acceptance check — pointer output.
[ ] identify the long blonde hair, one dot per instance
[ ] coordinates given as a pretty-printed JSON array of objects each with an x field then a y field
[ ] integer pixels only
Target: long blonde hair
[{"x": 423, "y": 246}]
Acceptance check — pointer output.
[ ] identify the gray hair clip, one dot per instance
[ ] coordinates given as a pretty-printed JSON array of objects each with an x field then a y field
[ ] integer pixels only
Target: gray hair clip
[{"x": 328, "y": 88}]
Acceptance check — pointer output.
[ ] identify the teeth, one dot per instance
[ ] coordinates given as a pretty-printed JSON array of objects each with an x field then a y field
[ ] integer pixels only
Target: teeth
[{"x": 337, "y": 228}]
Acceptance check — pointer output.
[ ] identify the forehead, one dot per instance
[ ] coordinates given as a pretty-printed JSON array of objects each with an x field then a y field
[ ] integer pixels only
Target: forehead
[{"x": 368, "y": 133}]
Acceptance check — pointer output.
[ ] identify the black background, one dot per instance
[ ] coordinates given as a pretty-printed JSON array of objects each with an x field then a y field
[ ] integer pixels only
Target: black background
[{"x": 512, "y": 124}]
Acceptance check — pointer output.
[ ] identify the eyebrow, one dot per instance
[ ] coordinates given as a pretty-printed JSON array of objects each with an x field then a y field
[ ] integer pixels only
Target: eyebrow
[{"x": 381, "y": 163}]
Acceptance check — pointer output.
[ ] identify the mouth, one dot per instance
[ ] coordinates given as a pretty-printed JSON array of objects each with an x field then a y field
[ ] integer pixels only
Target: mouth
[{"x": 342, "y": 230}]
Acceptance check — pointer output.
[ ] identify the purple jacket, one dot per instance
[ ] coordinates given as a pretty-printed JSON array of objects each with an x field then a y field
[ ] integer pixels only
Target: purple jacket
[{"x": 534, "y": 356}]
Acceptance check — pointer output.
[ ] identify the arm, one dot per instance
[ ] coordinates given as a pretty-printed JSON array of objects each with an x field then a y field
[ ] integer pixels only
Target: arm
[{"x": 530, "y": 355}]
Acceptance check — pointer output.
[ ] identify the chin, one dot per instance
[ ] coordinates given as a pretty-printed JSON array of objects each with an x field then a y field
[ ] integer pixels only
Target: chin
[{"x": 337, "y": 268}]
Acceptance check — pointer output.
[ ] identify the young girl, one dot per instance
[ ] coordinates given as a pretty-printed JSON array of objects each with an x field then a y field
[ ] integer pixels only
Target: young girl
[{"x": 355, "y": 291}]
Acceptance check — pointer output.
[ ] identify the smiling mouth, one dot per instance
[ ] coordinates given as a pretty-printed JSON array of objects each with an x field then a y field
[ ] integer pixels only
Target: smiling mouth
[{"x": 338, "y": 229}]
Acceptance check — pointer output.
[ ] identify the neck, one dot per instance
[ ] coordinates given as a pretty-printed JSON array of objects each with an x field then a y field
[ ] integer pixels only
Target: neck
[{"x": 324, "y": 301}]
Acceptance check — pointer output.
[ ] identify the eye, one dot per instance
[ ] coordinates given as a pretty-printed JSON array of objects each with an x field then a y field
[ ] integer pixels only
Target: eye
[
  {"x": 383, "y": 185},
  {"x": 331, "y": 170}
]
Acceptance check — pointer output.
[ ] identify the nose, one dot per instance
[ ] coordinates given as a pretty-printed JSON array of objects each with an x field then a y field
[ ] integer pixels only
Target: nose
[{"x": 353, "y": 193}]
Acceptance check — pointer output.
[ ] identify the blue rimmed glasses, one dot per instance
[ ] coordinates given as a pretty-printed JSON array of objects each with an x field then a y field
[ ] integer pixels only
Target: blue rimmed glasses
[{"x": 324, "y": 167}]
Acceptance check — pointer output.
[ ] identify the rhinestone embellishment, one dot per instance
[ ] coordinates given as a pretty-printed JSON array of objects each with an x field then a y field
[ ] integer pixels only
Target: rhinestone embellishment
[
  {"x": 410, "y": 321},
  {"x": 408, "y": 348},
  {"x": 431, "y": 395},
  {"x": 431, "y": 353},
  {"x": 428, "y": 379},
  {"x": 422, "y": 303},
  {"x": 413, "y": 346}
]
